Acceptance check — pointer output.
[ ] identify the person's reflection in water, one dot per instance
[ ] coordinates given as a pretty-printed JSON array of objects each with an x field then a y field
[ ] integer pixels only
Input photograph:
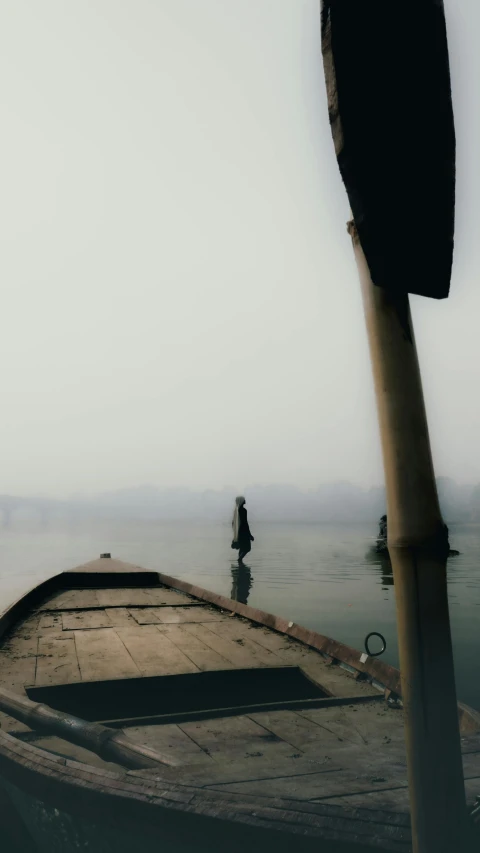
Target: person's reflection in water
[
  {"x": 241, "y": 582},
  {"x": 381, "y": 561},
  {"x": 386, "y": 570}
]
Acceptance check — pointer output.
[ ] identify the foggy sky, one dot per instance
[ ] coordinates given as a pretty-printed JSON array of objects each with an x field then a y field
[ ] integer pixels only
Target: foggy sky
[{"x": 180, "y": 304}]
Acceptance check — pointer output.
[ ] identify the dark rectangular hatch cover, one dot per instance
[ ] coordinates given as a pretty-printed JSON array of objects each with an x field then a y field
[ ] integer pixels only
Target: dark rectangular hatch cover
[{"x": 189, "y": 694}]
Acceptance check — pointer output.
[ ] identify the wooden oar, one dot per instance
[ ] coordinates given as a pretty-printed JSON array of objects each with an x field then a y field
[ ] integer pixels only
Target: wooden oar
[
  {"x": 109, "y": 744},
  {"x": 390, "y": 109}
]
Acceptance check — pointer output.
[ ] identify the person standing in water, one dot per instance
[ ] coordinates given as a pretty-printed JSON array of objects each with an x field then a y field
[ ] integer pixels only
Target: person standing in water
[
  {"x": 242, "y": 538},
  {"x": 383, "y": 528}
]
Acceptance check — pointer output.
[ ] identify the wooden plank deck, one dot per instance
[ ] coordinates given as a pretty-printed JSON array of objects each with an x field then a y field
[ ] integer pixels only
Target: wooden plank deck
[
  {"x": 341, "y": 755},
  {"x": 205, "y": 658},
  {"x": 154, "y": 653},
  {"x": 116, "y": 641},
  {"x": 102, "y": 655},
  {"x": 57, "y": 660}
]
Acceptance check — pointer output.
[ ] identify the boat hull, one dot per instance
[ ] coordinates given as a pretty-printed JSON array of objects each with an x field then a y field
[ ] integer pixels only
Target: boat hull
[
  {"x": 102, "y": 827},
  {"x": 69, "y": 803}
]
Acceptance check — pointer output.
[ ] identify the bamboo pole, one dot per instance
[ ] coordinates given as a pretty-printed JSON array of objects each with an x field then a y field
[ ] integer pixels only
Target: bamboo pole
[
  {"x": 418, "y": 547},
  {"x": 109, "y": 744}
]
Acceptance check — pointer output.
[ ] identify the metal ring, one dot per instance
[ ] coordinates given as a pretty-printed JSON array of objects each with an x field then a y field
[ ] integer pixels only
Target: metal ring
[{"x": 375, "y": 654}]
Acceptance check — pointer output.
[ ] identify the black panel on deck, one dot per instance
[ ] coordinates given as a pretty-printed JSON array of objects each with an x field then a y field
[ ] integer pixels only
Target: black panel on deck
[{"x": 188, "y": 693}]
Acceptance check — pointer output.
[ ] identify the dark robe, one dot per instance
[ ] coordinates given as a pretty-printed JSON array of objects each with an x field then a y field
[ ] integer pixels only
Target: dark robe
[
  {"x": 245, "y": 538},
  {"x": 244, "y": 535}
]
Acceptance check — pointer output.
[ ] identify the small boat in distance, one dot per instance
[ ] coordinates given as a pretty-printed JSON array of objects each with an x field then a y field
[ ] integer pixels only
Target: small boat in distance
[
  {"x": 136, "y": 707},
  {"x": 381, "y": 546}
]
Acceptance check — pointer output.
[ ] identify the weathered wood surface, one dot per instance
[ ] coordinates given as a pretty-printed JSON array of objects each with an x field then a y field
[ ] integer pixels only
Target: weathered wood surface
[
  {"x": 119, "y": 617},
  {"x": 57, "y": 661},
  {"x": 154, "y": 653},
  {"x": 18, "y": 664},
  {"x": 235, "y": 653},
  {"x": 305, "y": 758},
  {"x": 288, "y": 651},
  {"x": 203, "y": 656},
  {"x": 92, "y": 790},
  {"x": 237, "y": 738},
  {"x": 63, "y": 748},
  {"x": 102, "y": 655},
  {"x": 174, "y": 615},
  {"x": 372, "y": 667},
  {"x": 171, "y": 738},
  {"x": 78, "y": 620},
  {"x": 71, "y": 599},
  {"x": 82, "y": 599},
  {"x": 285, "y": 755}
]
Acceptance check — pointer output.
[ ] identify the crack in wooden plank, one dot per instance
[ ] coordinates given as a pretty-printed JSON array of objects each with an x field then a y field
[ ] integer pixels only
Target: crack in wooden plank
[
  {"x": 271, "y": 778},
  {"x": 321, "y": 726}
]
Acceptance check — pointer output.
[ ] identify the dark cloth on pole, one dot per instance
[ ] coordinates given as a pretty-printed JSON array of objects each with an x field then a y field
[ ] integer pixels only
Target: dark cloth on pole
[{"x": 390, "y": 106}]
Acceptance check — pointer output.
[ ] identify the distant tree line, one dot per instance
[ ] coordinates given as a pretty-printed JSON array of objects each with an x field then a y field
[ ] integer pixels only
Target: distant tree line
[{"x": 341, "y": 502}]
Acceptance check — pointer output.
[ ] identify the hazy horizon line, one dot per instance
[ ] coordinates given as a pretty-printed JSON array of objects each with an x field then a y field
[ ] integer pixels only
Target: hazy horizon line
[{"x": 229, "y": 489}]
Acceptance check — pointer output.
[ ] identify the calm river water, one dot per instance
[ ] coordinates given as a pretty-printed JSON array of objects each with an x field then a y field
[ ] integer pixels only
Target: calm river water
[{"x": 319, "y": 576}]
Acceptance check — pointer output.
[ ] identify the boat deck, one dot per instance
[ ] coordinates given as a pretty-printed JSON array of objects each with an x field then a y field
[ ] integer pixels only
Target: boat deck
[{"x": 243, "y": 709}]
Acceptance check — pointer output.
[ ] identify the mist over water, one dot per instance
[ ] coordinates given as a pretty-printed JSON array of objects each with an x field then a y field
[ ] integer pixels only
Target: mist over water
[
  {"x": 321, "y": 576},
  {"x": 181, "y": 302}
]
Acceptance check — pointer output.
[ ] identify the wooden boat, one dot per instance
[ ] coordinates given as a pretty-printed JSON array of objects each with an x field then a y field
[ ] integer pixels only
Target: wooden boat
[
  {"x": 144, "y": 711},
  {"x": 381, "y": 548}
]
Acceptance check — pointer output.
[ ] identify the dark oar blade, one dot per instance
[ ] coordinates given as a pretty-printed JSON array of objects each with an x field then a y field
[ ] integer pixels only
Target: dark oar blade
[{"x": 388, "y": 84}]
